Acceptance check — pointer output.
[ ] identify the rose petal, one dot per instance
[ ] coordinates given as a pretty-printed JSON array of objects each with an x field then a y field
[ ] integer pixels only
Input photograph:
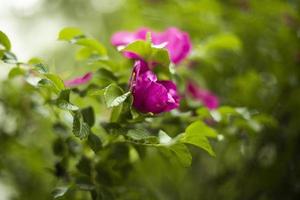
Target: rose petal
[
  {"x": 210, "y": 100},
  {"x": 175, "y": 41},
  {"x": 79, "y": 80}
]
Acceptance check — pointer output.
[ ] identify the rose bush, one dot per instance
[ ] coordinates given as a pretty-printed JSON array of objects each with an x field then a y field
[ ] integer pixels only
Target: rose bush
[{"x": 104, "y": 120}]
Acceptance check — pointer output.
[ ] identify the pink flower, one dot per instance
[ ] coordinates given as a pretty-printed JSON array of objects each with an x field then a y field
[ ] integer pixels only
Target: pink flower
[
  {"x": 79, "y": 80},
  {"x": 210, "y": 100},
  {"x": 176, "y": 42},
  {"x": 149, "y": 94}
]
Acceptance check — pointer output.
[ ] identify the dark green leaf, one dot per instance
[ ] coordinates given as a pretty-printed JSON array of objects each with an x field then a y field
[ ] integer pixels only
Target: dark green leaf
[
  {"x": 80, "y": 128},
  {"x": 64, "y": 95},
  {"x": 88, "y": 115},
  {"x": 9, "y": 57},
  {"x": 94, "y": 142}
]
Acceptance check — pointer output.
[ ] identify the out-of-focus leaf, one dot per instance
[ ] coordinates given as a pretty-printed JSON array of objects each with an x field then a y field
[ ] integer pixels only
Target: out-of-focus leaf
[
  {"x": 141, "y": 48},
  {"x": 57, "y": 82},
  {"x": 9, "y": 57},
  {"x": 142, "y": 136},
  {"x": 4, "y": 42},
  {"x": 227, "y": 41},
  {"x": 16, "y": 71},
  {"x": 59, "y": 192},
  {"x": 182, "y": 153},
  {"x": 94, "y": 142},
  {"x": 164, "y": 138},
  {"x": 69, "y": 33},
  {"x": 62, "y": 104},
  {"x": 92, "y": 44},
  {"x": 88, "y": 115}
]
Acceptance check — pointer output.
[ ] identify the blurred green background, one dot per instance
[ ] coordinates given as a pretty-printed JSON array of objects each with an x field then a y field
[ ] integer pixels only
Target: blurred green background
[{"x": 247, "y": 52}]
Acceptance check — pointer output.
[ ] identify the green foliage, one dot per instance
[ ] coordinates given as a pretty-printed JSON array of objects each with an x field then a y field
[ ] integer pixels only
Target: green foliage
[
  {"x": 91, "y": 143},
  {"x": 148, "y": 52}
]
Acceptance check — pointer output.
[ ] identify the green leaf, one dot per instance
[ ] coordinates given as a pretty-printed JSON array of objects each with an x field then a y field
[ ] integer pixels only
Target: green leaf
[
  {"x": 94, "y": 142},
  {"x": 196, "y": 134},
  {"x": 114, "y": 96},
  {"x": 64, "y": 95},
  {"x": 139, "y": 47},
  {"x": 69, "y": 33},
  {"x": 88, "y": 115},
  {"x": 164, "y": 138},
  {"x": 4, "y": 41},
  {"x": 9, "y": 57},
  {"x": 161, "y": 56},
  {"x": 92, "y": 44},
  {"x": 16, "y": 71},
  {"x": 115, "y": 113},
  {"x": 80, "y": 128},
  {"x": 148, "y": 52},
  {"x": 62, "y": 104},
  {"x": 41, "y": 68},
  {"x": 105, "y": 73},
  {"x": 59, "y": 192},
  {"x": 182, "y": 153},
  {"x": 57, "y": 82},
  {"x": 141, "y": 136},
  {"x": 45, "y": 83}
]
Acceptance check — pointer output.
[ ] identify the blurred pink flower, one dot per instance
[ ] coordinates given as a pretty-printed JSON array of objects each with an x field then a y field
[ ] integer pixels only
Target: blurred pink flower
[
  {"x": 210, "y": 100},
  {"x": 176, "y": 42},
  {"x": 79, "y": 80}
]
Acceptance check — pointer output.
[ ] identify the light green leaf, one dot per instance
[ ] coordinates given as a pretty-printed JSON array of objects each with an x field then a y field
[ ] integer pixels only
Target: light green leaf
[
  {"x": 196, "y": 134},
  {"x": 56, "y": 80},
  {"x": 16, "y": 71},
  {"x": 114, "y": 96},
  {"x": 148, "y": 52},
  {"x": 164, "y": 138},
  {"x": 69, "y": 33},
  {"x": 160, "y": 55},
  {"x": 142, "y": 48},
  {"x": 92, "y": 44},
  {"x": 4, "y": 42}
]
